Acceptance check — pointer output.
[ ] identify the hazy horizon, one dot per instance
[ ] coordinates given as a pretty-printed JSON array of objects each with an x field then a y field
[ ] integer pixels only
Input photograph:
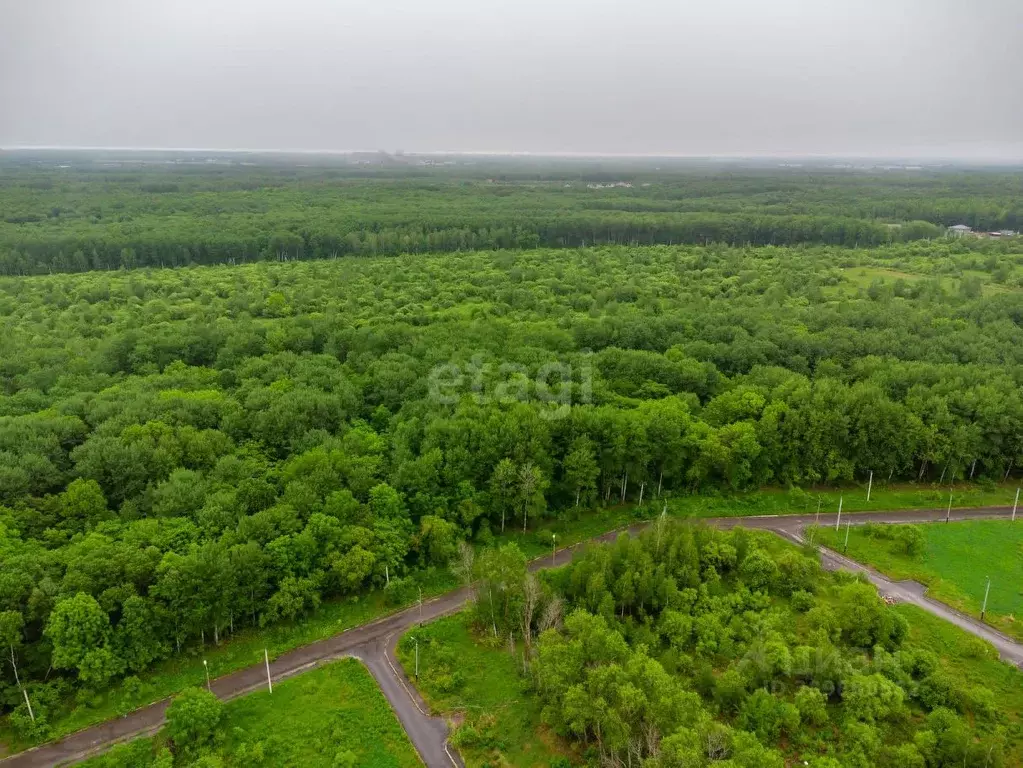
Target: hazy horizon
[
  {"x": 794, "y": 79},
  {"x": 511, "y": 154}
]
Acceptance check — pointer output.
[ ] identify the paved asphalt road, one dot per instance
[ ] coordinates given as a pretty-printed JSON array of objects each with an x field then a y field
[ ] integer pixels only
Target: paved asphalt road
[{"x": 374, "y": 644}]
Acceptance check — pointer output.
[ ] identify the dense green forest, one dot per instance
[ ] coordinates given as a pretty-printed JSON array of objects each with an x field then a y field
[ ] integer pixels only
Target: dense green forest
[
  {"x": 184, "y": 452},
  {"x": 688, "y": 647},
  {"x": 82, "y": 215},
  {"x": 189, "y": 451}
]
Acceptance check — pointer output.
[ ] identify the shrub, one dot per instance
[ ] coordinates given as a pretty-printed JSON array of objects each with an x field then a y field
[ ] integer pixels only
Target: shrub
[
  {"x": 872, "y": 697},
  {"x": 799, "y": 573},
  {"x": 31, "y": 730},
  {"x": 767, "y": 716},
  {"x": 759, "y": 570},
  {"x": 939, "y": 690},
  {"x": 192, "y": 720},
  {"x": 400, "y": 591},
  {"x": 730, "y": 690},
  {"x": 802, "y": 601},
  {"x": 981, "y": 702},
  {"x": 812, "y": 706},
  {"x": 912, "y": 539}
]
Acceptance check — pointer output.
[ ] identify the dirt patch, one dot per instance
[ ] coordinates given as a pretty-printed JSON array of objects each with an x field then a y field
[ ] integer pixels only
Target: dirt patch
[{"x": 456, "y": 719}]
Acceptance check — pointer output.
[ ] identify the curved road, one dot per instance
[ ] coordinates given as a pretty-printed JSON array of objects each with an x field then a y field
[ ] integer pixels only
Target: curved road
[{"x": 374, "y": 644}]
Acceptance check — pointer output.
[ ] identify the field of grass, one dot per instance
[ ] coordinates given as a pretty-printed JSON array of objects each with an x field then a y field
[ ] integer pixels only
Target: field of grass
[
  {"x": 861, "y": 277},
  {"x": 332, "y": 716},
  {"x": 955, "y": 563},
  {"x": 246, "y": 647},
  {"x": 477, "y": 678}
]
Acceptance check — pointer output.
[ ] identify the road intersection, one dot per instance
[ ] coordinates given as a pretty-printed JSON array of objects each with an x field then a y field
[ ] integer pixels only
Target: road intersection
[{"x": 374, "y": 643}]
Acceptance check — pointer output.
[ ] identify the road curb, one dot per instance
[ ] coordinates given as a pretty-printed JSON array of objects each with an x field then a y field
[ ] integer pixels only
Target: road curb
[{"x": 403, "y": 681}]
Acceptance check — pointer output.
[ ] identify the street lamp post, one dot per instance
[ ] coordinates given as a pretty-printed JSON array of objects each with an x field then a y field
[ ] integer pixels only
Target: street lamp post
[{"x": 206, "y": 667}]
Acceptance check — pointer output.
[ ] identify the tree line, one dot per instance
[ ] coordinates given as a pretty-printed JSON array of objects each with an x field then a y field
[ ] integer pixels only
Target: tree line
[{"x": 77, "y": 219}]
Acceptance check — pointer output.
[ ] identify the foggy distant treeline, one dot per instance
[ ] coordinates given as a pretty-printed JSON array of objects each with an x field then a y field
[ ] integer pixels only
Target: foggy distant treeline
[{"x": 69, "y": 220}]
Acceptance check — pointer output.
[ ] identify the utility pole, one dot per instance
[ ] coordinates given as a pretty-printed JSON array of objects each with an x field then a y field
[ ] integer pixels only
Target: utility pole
[
  {"x": 206, "y": 667},
  {"x": 493, "y": 615},
  {"x": 1015, "y": 504},
  {"x": 987, "y": 591},
  {"x": 269, "y": 681},
  {"x": 554, "y": 549},
  {"x": 817, "y": 520},
  {"x": 420, "y": 606},
  {"x": 417, "y": 658},
  {"x": 848, "y": 527},
  {"x": 948, "y": 515},
  {"x": 870, "y": 484},
  {"x": 838, "y": 522}
]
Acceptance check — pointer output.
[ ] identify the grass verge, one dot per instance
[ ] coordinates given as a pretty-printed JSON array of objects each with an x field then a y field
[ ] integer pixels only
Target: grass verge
[
  {"x": 476, "y": 681},
  {"x": 578, "y": 525},
  {"x": 332, "y": 716},
  {"x": 954, "y": 561}
]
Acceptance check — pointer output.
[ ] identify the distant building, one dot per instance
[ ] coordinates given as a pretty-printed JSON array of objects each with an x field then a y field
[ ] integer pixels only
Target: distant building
[{"x": 959, "y": 230}]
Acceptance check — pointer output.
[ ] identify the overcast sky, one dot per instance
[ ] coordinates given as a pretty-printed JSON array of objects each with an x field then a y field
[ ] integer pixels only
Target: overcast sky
[{"x": 732, "y": 77}]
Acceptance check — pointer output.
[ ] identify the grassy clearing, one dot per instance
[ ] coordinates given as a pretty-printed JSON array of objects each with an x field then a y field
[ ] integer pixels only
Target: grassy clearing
[
  {"x": 955, "y": 563},
  {"x": 334, "y": 715},
  {"x": 861, "y": 277},
  {"x": 479, "y": 679}
]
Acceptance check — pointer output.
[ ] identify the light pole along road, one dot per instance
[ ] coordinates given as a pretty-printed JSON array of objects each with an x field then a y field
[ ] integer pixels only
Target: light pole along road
[{"x": 374, "y": 644}]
